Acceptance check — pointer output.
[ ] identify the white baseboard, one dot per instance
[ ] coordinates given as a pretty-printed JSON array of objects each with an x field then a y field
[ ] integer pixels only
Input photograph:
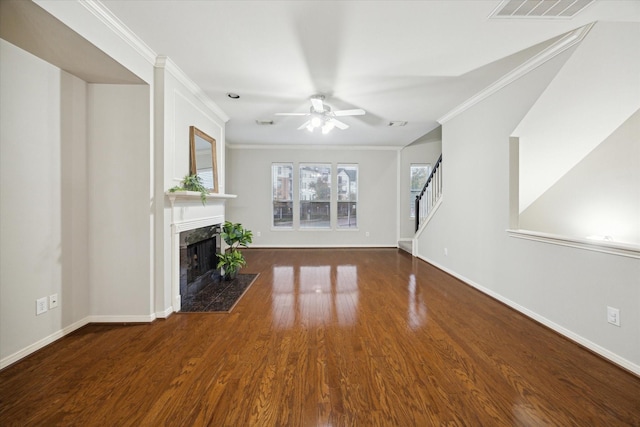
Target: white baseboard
[
  {"x": 164, "y": 314},
  {"x": 123, "y": 318},
  {"x": 607, "y": 354},
  {"x": 307, "y": 246},
  {"x": 9, "y": 360}
]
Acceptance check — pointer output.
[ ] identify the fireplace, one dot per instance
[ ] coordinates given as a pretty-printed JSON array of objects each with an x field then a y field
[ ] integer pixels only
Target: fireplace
[
  {"x": 187, "y": 213},
  {"x": 198, "y": 249}
]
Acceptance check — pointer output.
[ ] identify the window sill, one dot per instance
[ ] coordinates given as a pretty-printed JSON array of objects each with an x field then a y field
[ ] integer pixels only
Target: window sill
[{"x": 608, "y": 247}]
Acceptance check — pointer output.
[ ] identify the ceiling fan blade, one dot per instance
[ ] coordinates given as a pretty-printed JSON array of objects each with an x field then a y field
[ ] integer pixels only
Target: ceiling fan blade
[
  {"x": 354, "y": 112},
  {"x": 317, "y": 104},
  {"x": 339, "y": 124},
  {"x": 292, "y": 114},
  {"x": 304, "y": 125}
]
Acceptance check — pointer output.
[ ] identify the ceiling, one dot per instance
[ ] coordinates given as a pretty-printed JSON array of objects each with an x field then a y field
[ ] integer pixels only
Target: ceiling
[{"x": 407, "y": 61}]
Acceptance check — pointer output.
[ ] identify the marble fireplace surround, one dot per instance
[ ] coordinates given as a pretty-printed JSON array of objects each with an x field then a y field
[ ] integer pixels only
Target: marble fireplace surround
[{"x": 188, "y": 213}]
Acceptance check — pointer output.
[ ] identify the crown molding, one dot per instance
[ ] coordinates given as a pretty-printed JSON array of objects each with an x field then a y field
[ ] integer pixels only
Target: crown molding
[
  {"x": 313, "y": 147},
  {"x": 569, "y": 40},
  {"x": 168, "y": 65},
  {"x": 159, "y": 61},
  {"x": 118, "y": 28}
]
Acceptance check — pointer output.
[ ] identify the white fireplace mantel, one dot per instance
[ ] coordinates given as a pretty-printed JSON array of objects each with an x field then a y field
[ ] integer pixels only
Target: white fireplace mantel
[{"x": 190, "y": 195}]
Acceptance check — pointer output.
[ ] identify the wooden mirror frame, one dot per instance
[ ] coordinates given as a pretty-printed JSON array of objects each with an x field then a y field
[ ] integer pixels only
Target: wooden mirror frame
[{"x": 195, "y": 135}]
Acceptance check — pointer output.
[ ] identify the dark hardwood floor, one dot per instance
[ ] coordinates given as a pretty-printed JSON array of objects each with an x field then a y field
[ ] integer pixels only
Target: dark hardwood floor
[{"x": 346, "y": 337}]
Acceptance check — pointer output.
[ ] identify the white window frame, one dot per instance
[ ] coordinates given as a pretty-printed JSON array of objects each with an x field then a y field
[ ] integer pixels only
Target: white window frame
[
  {"x": 412, "y": 195},
  {"x": 301, "y": 201},
  {"x": 338, "y": 201},
  {"x": 273, "y": 200}
]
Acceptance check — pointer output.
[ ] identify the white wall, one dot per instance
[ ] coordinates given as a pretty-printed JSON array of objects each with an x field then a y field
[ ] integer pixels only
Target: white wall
[
  {"x": 119, "y": 200},
  {"x": 600, "y": 196},
  {"x": 104, "y": 156},
  {"x": 566, "y": 288},
  {"x": 425, "y": 150},
  {"x": 44, "y": 129},
  {"x": 249, "y": 176},
  {"x": 182, "y": 110},
  {"x": 74, "y": 300},
  {"x": 177, "y": 107},
  {"x": 43, "y": 220},
  {"x": 594, "y": 93}
]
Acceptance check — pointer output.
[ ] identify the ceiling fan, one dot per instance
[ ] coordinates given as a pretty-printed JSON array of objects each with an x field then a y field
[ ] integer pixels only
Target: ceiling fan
[{"x": 322, "y": 117}]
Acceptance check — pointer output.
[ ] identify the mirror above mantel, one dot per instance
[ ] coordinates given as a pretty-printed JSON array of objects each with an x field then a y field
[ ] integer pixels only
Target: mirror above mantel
[{"x": 203, "y": 158}]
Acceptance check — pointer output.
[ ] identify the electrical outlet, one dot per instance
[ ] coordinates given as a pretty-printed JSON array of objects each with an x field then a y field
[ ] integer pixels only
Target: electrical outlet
[
  {"x": 41, "y": 305},
  {"x": 53, "y": 301},
  {"x": 258, "y": 234},
  {"x": 366, "y": 234},
  {"x": 613, "y": 316}
]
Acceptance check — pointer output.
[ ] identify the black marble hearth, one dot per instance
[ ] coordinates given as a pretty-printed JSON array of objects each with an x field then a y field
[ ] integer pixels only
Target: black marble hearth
[{"x": 219, "y": 295}]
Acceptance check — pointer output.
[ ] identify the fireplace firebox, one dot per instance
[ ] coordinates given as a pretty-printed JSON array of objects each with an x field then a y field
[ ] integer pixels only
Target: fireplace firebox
[{"x": 198, "y": 260}]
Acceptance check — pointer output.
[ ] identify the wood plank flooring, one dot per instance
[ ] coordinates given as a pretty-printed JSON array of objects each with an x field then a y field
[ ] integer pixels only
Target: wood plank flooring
[{"x": 346, "y": 337}]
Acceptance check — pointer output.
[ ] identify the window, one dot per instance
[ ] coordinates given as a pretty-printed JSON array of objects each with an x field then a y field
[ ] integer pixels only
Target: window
[
  {"x": 282, "y": 189},
  {"x": 315, "y": 195},
  {"x": 347, "y": 196},
  {"x": 419, "y": 175}
]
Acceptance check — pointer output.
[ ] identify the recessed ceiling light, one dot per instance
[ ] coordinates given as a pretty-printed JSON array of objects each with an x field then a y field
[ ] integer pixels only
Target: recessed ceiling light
[
  {"x": 397, "y": 124},
  {"x": 233, "y": 95}
]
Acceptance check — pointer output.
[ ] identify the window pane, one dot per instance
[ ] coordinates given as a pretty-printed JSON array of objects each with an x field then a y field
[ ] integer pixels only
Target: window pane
[
  {"x": 282, "y": 188},
  {"x": 347, "y": 177},
  {"x": 315, "y": 195},
  {"x": 419, "y": 175}
]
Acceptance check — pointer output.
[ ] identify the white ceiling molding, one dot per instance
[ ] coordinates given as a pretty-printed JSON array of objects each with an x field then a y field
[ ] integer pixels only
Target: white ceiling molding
[
  {"x": 315, "y": 147},
  {"x": 115, "y": 25},
  {"x": 166, "y": 63},
  {"x": 569, "y": 40}
]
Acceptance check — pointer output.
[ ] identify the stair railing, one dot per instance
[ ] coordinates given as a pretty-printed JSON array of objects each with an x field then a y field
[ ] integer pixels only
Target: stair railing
[{"x": 430, "y": 194}]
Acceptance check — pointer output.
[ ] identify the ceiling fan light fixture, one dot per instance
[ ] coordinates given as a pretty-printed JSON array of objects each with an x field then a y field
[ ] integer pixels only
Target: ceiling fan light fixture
[
  {"x": 322, "y": 117},
  {"x": 327, "y": 127},
  {"x": 316, "y": 122}
]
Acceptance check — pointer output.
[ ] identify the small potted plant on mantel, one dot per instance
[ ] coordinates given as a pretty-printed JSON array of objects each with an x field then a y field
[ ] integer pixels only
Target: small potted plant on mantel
[
  {"x": 232, "y": 260},
  {"x": 192, "y": 183}
]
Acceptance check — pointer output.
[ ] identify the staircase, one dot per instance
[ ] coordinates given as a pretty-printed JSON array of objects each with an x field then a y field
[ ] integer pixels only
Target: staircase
[
  {"x": 426, "y": 203},
  {"x": 430, "y": 196}
]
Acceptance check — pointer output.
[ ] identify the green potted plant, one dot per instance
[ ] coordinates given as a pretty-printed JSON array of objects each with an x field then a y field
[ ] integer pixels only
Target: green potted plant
[
  {"x": 232, "y": 260},
  {"x": 192, "y": 183}
]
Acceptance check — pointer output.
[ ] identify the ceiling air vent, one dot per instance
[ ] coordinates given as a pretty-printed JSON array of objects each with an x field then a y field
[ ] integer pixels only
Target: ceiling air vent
[
  {"x": 540, "y": 8},
  {"x": 264, "y": 122}
]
